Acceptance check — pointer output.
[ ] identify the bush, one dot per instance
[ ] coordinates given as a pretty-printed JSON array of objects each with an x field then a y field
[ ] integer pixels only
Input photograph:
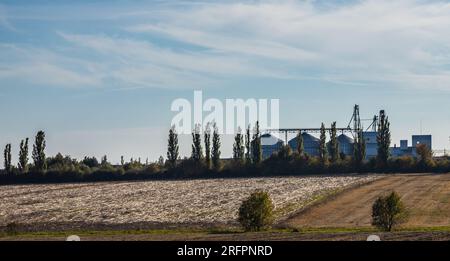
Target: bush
[
  {"x": 255, "y": 212},
  {"x": 388, "y": 212}
]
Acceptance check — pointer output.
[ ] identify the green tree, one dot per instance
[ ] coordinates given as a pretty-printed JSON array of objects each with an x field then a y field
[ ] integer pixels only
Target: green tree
[
  {"x": 248, "y": 158},
  {"x": 172, "y": 147},
  {"x": 323, "y": 154},
  {"x": 207, "y": 140},
  {"x": 7, "y": 158},
  {"x": 425, "y": 156},
  {"x": 39, "y": 152},
  {"x": 255, "y": 212},
  {"x": 388, "y": 212},
  {"x": 300, "y": 144},
  {"x": 104, "y": 160},
  {"x": 334, "y": 144},
  {"x": 215, "y": 154},
  {"x": 197, "y": 151},
  {"x": 122, "y": 161},
  {"x": 238, "y": 147},
  {"x": 23, "y": 156},
  {"x": 383, "y": 140},
  {"x": 256, "y": 145},
  {"x": 91, "y": 162},
  {"x": 359, "y": 150}
]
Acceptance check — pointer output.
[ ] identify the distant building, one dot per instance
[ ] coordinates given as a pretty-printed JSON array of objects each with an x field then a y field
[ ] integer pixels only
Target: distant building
[
  {"x": 370, "y": 138},
  {"x": 310, "y": 144},
  {"x": 270, "y": 144},
  {"x": 345, "y": 144},
  {"x": 405, "y": 150}
]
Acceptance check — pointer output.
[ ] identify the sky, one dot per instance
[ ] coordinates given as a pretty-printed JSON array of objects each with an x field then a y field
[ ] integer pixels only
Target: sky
[{"x": 99, "y": 76}]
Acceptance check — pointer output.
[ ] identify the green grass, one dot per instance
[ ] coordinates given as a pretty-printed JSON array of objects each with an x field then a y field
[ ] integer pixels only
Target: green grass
[{"x": 100, "y": 233}]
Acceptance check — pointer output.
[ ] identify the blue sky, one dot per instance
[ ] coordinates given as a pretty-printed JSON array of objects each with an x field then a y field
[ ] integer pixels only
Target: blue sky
[{"x": 99, "y": 76}]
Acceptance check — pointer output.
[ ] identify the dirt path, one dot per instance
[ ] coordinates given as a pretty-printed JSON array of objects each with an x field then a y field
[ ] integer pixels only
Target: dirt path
[{"x": 427, "y": 198}]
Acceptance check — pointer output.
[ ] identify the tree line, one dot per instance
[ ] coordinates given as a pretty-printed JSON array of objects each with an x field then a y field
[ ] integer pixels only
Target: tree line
[{"x": 205, "y": 159}]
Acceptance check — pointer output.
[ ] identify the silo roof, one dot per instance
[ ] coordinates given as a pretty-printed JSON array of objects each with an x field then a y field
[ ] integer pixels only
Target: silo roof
[
  {"x": 306, "y": 138},
  {"x": 268, "y": 139},
  {"x": 344, "y": 139}
]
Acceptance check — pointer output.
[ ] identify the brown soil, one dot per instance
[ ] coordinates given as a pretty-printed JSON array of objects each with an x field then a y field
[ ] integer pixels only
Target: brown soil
[{"x": 426, "y": 196}]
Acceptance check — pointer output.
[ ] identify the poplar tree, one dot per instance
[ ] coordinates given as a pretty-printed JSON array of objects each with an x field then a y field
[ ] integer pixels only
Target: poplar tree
[
  {"x": 323, "y": 154},
  {"x": 172, "y": 147},
  {"x": 207, "y": 140},
  {"x": 39, "y": 152},
  {"x": 300, "y": 145},
  {"x": 104, "y": 160},
  {"x": 248, "y": 158},
  {"x": 256, "y": 145},
  {"x": 334, "y": 145},
  {"x": 383, "y": 140},
  {"x": 23, "y": 156},
  {"x": 7, "y": 158},
  {"x": 359, "y": 149},
  {"x": 197, "y": 151},
  {"x": 215, "y": 154},
  {"x": 238, "y": 146}
]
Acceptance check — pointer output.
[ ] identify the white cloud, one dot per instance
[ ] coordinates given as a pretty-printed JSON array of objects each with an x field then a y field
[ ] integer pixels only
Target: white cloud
[
  {"x": 143, "y": 63},
  {"x": 38, "y": 66},
  {"x": 401, "y": 43},
  {"x": 375, "y": 42}
]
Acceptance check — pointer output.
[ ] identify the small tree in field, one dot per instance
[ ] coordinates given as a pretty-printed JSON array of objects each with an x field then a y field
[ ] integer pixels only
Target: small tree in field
[
  {"x": 255, "y": 212},
  {"x": 388, "y": 212}
]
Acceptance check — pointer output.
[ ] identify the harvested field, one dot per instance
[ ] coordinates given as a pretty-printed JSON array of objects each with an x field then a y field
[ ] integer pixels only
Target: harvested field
[
  {"x": 426, "y": 196},
  {"x": 208, "y": 201}
]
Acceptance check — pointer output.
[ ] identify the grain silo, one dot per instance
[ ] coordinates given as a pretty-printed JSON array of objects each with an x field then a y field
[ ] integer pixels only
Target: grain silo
[
  {"x": 270, "y": 144},
  {"x": 310, "y": 144}
]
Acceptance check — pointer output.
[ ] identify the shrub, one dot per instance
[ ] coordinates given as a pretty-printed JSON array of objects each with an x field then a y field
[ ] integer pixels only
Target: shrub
[
  {"x": 388, "y": 212},
  {"x": 255, "y": 212}
]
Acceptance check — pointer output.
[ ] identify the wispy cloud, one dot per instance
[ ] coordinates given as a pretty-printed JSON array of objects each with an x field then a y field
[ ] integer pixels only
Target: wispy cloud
[
  {"x": 4, "y": 22},
  {"x": 403, "y": 43},
  {"x": 202, "y": 44},
  {"x": 143, "y": 63},
  {"x": 37, "y": 66}
]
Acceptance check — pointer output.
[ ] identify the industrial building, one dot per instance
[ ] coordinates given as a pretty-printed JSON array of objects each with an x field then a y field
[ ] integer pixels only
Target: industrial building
[
  {"x": 370, "y": 138},
  {"x": 345, "y": 144},
  {"x": 310, "y": 144},
  {"x": 405, "y": 150},
  {"x": 271, "y": 144}
]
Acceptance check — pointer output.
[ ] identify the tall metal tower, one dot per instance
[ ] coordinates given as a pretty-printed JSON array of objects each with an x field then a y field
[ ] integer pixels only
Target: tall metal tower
[
  {"x": 374, "y": 124},
  {"x": 356, "y": 120}
]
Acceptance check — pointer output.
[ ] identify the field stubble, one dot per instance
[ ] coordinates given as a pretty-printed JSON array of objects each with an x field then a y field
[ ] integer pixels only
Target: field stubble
[{"x": 209, "y": 202}]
